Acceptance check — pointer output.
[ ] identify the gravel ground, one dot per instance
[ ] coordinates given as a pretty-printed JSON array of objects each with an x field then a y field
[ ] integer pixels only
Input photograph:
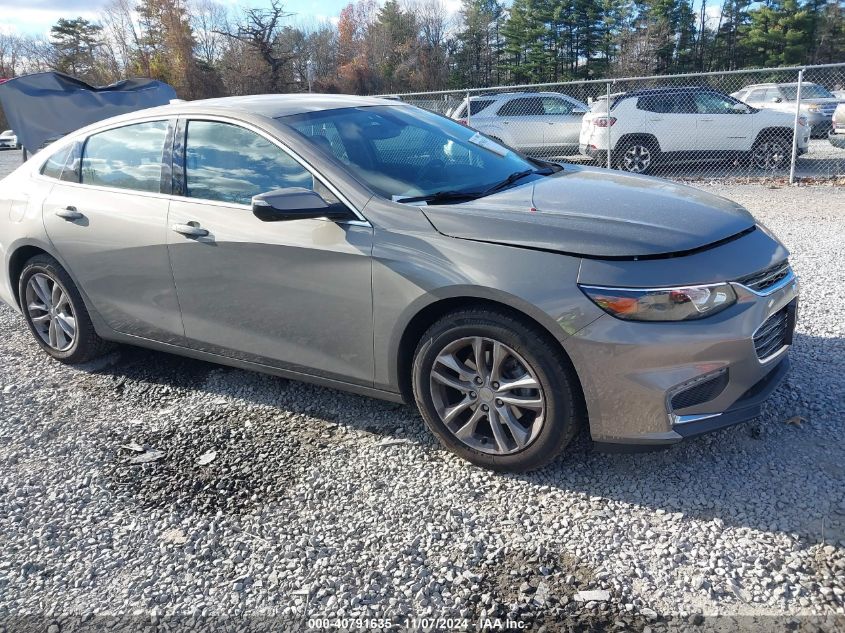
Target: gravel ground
[{"x": 269, "y": 497}]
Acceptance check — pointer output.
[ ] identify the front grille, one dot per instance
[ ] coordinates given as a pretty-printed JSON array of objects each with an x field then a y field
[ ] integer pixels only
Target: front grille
[
  {"x": 766, "y": 278},
  {"x": 773, "y": 334},
  {"x": 700, "y": 392}
]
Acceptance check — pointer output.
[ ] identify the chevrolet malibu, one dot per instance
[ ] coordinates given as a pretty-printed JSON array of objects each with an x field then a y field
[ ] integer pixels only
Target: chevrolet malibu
[{"x": 368, "y": 245}]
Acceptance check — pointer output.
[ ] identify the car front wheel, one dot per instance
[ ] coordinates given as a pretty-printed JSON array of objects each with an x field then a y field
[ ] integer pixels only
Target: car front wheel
[
  {"x": 496, "y": 391},
  {"x": 55, "y": 312},
  {"x": 771, "y": 153}
]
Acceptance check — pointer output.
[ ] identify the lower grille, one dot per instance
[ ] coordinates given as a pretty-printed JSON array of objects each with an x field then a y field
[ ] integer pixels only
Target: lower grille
[
  {"x": 700, "y": 392},
  {"x": 773, "y": 334}
]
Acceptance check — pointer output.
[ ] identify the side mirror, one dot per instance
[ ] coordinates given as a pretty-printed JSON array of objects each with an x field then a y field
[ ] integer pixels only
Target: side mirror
[
  {"x": 740, "y": 108},
  {"x": 295, "y": 203},
  {"x": 775, "y": 99}
]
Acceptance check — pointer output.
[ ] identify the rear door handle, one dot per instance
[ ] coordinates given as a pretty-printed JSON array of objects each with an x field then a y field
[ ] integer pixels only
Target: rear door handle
[
  {"x": 189, "y": 230},
  {"x": 705, "y": 119},
  {"x": 69, "y": 213},
  {"x": 656, "y": 119}
]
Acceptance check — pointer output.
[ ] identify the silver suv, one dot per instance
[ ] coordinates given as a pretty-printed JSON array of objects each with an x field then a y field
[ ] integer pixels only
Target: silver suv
[
  {"x": 537, "y": 123},
  {"x": 817, "y": 102}
]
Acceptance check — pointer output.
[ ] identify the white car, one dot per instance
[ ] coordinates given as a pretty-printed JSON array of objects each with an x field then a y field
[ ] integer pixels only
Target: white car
[
  {"x": 536, "y": 123},
  {"x": 645, "y": 127},
  {"x": 9, "y": 140},
  {"x": 817, "y": 102}
]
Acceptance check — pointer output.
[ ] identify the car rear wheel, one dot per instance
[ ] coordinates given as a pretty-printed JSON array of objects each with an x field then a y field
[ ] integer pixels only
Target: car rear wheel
[
  {"x": 55, "y": 313},
  {"x": 637, "y": 157},
  {"x": 495, "y": 391}
]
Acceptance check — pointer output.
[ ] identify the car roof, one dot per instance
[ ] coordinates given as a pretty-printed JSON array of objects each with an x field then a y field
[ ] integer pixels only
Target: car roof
[
  {"x": 788, "y": 83},
  {"x": 494, "y": 95},
  {"x": 267, "y": 105}
]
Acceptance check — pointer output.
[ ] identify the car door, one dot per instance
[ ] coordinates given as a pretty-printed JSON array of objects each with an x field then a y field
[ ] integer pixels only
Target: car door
[
  {"x": 563, "y": 125},
  {"x": 524, "y": 122},
  {"x": 721, "y": 125},
  {"x": 107, "y": 218},
  {"x": 294, "y": 294}
]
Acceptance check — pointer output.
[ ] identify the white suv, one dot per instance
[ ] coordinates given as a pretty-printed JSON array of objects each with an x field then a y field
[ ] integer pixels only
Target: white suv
[
  {"x": 645, "y": 127},
  {"x": 537, "y": 123}
]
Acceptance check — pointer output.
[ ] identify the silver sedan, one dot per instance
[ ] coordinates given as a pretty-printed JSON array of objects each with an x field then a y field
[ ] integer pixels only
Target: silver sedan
[{"x": 368, "y": 245}]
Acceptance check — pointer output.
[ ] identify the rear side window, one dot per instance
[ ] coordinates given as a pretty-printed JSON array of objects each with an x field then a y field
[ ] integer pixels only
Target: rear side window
[
  {"x": 666, "y": 103},
  {"x": 523, "y": 106},
  {"x": 228, "y": 163},
  {"x": 476, "y": 106},
  {"x": 126, "y": 157},
  {"x": 56, "y": 163}
]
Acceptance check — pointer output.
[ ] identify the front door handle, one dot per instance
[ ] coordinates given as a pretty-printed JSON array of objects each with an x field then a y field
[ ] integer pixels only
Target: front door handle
[
  {"x": 69, "y": 213},
  {"x": 189, "y": 230}
]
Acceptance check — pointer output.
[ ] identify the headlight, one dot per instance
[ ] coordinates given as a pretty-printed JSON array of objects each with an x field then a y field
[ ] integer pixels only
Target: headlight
[
  {"x": 814, "y": 108},
  {"x": 683, "y": 303}
]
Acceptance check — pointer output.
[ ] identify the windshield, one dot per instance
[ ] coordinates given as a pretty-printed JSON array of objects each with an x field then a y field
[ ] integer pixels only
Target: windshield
[
  {"x": 406, "y": 152},
  {"x": 808, "y": 91}
]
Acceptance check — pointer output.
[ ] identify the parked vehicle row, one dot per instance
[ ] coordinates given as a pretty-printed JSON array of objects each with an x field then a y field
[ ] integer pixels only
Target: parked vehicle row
[{"x": 650, "y": 126}]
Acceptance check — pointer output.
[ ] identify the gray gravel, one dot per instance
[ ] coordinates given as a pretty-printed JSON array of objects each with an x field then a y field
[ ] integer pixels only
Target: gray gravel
[{"x": 274, "y": 497}]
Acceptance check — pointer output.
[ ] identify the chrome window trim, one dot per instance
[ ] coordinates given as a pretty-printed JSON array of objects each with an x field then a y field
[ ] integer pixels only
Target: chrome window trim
[
  {"x": 71, "y": 138},
  {"x": 361, "y": 221}
]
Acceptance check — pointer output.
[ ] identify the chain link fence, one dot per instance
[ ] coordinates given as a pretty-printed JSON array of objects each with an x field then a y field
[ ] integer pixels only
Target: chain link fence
[{"x": 777, "y": 122}]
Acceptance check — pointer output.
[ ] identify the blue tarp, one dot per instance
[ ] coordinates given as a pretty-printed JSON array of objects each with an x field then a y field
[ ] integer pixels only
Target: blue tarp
[{"x": 45, "y": 106}]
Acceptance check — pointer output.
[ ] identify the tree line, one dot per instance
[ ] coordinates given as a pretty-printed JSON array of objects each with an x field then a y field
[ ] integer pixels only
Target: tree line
[{"x": 204, "y": 48}]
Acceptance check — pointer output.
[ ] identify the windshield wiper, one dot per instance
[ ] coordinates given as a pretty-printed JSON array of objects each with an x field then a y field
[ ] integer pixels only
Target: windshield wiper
[
  {"x": 443, "y": 196},
  {"x": 449, "y": 196}
]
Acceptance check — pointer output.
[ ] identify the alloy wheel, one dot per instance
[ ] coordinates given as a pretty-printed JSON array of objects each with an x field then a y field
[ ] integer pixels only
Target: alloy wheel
[
  {"x": 487, "y": 395},
  {"x": 50, "y": 311},
  {"x": 636, "y": 159},
  {"x": 769, "y": 154}
]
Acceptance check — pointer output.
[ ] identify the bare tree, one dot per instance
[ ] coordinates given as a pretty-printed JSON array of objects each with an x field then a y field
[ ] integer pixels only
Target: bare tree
[
  {"x": 210, "y": 20},
  {"x": 259, "y": 30}
]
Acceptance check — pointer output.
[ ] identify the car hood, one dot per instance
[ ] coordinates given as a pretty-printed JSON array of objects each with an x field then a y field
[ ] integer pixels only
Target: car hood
[{"x": 596, "y": 213}]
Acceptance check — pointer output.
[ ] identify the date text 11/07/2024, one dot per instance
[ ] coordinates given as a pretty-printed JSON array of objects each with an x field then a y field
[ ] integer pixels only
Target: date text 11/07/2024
[{"x": 416, "y": 624}]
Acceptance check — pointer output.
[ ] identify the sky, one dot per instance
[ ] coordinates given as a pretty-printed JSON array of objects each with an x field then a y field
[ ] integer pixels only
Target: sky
[{"x": 38, "y": 16}]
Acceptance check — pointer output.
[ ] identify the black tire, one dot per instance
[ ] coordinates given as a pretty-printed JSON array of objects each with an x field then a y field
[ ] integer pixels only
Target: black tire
[
  {"x": 563, "y": 408},
  {"x": 772, "y": 150},
  {"x": 86, "y": 344},
  {"x": 637, "y": 156}
]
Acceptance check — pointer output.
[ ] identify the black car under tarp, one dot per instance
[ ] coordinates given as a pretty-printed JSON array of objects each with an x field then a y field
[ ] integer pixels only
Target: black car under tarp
[{"x": 45, "y": 106}]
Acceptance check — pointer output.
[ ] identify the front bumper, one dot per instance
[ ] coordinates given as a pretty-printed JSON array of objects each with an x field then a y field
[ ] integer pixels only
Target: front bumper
[
  {"x": 837, "y": 140},
  {"x": 631, "y": 371}
]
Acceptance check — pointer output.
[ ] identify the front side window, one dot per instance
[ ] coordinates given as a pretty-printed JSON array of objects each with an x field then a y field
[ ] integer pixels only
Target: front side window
[
  {"x": 712, "y": 103},
  {"x": 127, "y": 157},
  {"x": 402, "y": 151},
  {"x": 553, "y": 105},
  {"x": 229, "y": 163}
]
